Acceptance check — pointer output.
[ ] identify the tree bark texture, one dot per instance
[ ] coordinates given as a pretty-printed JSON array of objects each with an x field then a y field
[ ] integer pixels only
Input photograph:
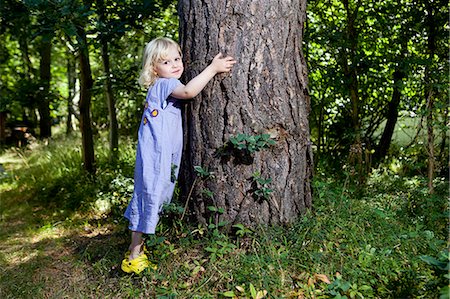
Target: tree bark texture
[
  {"x": 85, "y": 104},
  {"x": 266, "y": 93}
]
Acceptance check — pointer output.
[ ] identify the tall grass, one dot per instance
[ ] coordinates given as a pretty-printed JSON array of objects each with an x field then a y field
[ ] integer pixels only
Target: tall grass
[{"x": 385, "y": 242}]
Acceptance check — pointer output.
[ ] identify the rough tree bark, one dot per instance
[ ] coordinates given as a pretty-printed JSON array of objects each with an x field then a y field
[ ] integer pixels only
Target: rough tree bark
[{"x": 266, "y": 93}]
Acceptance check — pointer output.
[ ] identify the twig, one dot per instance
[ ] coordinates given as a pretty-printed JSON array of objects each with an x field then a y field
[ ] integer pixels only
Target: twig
[{"x": 187, "y": 200}]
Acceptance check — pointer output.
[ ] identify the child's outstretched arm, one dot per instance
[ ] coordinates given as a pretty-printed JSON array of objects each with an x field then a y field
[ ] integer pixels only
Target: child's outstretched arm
[{"x": 194, "y": 87}]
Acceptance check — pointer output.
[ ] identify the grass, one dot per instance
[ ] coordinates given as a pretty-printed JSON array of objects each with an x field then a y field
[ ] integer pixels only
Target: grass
[{"x": 62, "y": 235}]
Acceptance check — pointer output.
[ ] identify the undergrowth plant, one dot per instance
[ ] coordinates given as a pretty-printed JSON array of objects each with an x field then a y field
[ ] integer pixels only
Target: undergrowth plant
[
  {"x": 243, "y": 146},
  {"x": 260, "y": 187}
]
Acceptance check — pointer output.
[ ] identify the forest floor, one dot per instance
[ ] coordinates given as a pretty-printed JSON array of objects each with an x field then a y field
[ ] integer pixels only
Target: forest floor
[
  {"x": 41, "y": 250},
  {"x": 388, "y": 242}
]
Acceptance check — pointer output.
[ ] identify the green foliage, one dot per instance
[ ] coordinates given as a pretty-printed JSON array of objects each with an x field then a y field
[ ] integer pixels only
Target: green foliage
[
  {"x": 219, "y": 249},
  {"x": 260, "y": 186},
  {"x": 203, "y": 173},
  {"x": 126, "y": 26},
  {"x": 251, "y": 292},
  {"x": 442, "y": 267},
  {"x": 387, "y": 242},
  {"x": 242, "y": 147},
  {"x": 241, "y": 230},
  {"x": 251, "y": 143},
  {"x": 390, "y": 39},
  {"x": 341, "y": 289}
]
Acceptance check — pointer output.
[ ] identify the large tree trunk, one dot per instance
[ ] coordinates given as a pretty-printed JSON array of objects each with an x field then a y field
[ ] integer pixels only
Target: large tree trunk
[
  {"x": 266, "y": 93},
  {"x": 45, "y": 122},
  {"x": 85, "y": 103}
]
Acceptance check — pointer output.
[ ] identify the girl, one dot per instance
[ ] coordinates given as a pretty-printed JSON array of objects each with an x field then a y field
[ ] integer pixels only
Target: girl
[{"x": 160, "y": 139}]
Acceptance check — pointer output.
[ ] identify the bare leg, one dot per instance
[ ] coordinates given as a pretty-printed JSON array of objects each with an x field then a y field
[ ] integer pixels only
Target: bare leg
[{"x": 136, "y": 244}]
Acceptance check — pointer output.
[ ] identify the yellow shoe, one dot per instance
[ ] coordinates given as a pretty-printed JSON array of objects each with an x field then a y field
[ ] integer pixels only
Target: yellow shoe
[{"x": 136, "y": 265}]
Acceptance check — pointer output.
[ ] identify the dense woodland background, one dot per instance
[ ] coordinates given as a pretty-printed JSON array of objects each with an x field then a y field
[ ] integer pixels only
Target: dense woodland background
[
  {"x": 378, "y": 86},
  {"x": 375, "y": 69}
]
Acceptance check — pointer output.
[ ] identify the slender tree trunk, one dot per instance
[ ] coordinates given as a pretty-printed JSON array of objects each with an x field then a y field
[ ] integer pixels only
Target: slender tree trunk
[
  {"x": 430, "y": 143},
  {"x": 442, "y": 151},
  {"x": 45, "y": 122},
  {"x": 320, "y": 134},
  {"x": 392, "y": 116},
  {"x": 266, "y": 93},
  {"x": 113, "y": 124},
  {"x": 85, "y": 103},
  {"x": 23, "y": 43},
  {"x": 429, "y": 92},
  {"x": 71, "y": 77},
  {"x": 350, "y": 72},
  {"x": 392, "y": 111}
]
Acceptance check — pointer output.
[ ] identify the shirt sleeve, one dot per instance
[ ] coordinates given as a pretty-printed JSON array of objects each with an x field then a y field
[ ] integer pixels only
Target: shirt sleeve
[{"x": 162, "y": 89}]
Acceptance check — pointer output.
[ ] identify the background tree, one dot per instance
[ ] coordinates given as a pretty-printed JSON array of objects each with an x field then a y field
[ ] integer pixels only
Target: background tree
[
  {"x": 388, "y": 57},
  {"x": 265, "y": 94},
  {"x": 19, "y": 77},
  {"x": 111, "y": 103},
  {"x": 114, "y": 21}
]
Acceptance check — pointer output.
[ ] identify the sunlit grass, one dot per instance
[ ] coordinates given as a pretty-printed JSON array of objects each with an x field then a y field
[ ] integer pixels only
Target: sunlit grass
[{"x": 63, "y": 233}]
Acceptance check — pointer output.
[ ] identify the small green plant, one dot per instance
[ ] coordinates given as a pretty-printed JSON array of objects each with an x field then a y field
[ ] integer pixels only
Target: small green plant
[
  {"x": 203, "y": 173},
  {"x": 251, "y": 143},
  {"x": 342, "y": 289},
  {"x": 243, "y": 146},
  {"x": 170, "y": 218},
  {"x": 442, "y": 267},
  {"x": 260, "y": 186},
  {"x": 251, "y": 292},
  {"x": 173, "y": 169},
  {"x": 215, "y": 224},
  {"x": 219, "y": 249},
  {"x": 241, "y": 230}
]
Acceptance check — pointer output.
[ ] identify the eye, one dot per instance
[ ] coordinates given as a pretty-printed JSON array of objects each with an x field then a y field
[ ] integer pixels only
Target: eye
[{"x": 177, "y": 59}]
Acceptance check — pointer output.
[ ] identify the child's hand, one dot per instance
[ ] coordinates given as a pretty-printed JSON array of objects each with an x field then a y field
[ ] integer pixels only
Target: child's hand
[{"x": 222, "y": 64}]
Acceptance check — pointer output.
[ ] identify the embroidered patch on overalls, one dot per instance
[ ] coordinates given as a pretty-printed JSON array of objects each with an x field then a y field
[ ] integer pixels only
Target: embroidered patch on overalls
[
  {"x": 145, "y": 120},
  {"x": 154, "y": 113}
]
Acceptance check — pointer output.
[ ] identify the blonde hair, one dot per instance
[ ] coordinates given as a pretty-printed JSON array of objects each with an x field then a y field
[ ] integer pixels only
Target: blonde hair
[{"x": 155, "y": 51}]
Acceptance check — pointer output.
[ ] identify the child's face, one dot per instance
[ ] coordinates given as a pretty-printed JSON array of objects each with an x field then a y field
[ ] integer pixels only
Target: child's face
[{"x": 171, "y": 66}]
